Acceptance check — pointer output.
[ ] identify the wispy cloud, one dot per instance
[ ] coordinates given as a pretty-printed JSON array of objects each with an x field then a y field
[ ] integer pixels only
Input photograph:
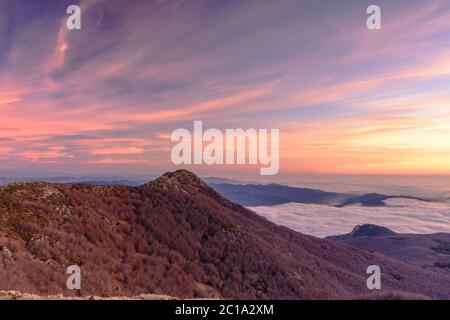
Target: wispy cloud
[{"x": 344, "y": 97}]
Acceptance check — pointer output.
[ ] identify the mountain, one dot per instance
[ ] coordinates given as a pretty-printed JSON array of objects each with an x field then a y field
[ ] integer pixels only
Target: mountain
[
  {"x": 373, "y": 200},
  {"x": 219, "y": 180},
  {"x": 176, "y": 236},
  {"x": 249, "y": 195},
  {"x": 72, "y": 179},
  {"x": 253, "y": 195},
  {"x": 366, "y": 230},
  {"x": 428, "y": 250}
]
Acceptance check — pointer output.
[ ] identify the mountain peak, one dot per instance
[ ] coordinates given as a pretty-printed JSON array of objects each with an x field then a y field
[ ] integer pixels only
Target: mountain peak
[
  {"x": 371, "y": 230},
  {"x": 182, "y": 175},
  {"x": 179, "y": 179}
]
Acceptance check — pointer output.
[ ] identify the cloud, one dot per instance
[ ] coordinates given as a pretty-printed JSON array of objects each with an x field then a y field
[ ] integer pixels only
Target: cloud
[
  {"x": 125, "y": 150},
  {"x": 116, "y": 161},
  {"x": 400, "y": 215},
  {"x": 343, "y": 97}
]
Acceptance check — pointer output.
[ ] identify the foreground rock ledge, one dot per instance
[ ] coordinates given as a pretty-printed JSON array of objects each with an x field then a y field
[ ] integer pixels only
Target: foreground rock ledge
[{"x": 14, "y": 295}]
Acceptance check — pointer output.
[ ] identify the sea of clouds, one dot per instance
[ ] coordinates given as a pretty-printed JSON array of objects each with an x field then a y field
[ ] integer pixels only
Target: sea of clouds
[{"x": 400, "y": 215}]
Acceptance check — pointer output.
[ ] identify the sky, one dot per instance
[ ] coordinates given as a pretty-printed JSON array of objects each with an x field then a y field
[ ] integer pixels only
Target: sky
[{"x": 105, "y": 99}]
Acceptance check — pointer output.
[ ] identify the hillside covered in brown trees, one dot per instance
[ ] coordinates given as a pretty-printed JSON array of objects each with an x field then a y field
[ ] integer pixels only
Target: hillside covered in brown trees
[{"x": 176, "y": 236}]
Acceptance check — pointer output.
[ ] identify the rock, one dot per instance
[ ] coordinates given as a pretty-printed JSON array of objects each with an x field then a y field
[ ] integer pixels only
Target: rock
[{"x": 6, "y": 253}]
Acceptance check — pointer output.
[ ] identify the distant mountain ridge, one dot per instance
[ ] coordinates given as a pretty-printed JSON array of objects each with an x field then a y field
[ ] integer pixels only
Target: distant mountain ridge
[
  {"x": 274, "y": 194},
  {"x": 250, "y": 195},
  {"x": 176, "y": 236},
  {"x": 74, "y": 180},
  {"x": 374, "y": 200},
  {"x": 253, "y": 195}
]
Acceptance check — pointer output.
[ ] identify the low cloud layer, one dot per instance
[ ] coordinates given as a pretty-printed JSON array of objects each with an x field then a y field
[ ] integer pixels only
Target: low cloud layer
[{"x": 400, "y": 215}]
